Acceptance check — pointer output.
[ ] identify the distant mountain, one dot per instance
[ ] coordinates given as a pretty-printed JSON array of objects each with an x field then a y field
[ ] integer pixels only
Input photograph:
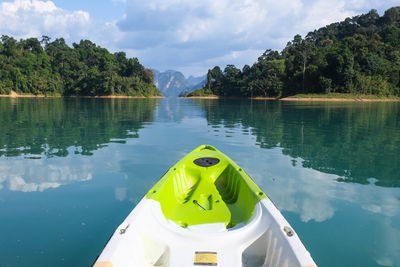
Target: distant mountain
[
  {"x": 196, "y": 80},
  {"x": 173, "y": 83},
  {"x": 195, "y": 83}
]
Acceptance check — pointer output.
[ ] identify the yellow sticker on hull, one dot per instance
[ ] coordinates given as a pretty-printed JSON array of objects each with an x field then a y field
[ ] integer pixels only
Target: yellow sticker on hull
[{"x": 205, "y": 258}]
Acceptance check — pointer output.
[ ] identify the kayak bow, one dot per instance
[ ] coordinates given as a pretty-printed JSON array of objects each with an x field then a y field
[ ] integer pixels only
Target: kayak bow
[{"x": 205, "y": 211}]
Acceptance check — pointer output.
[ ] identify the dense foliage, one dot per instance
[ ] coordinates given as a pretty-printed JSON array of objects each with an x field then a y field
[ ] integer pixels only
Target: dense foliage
[
  {"x": 360, "y": 55},
  {"x": 53, "y": 68}
]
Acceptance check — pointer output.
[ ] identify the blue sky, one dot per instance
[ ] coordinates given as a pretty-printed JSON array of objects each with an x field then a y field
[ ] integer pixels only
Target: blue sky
[{"x": 186, "y": 35}]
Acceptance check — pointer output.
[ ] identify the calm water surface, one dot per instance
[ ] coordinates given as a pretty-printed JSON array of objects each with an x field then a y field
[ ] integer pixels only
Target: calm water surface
[{"x": 72, "y": 169}]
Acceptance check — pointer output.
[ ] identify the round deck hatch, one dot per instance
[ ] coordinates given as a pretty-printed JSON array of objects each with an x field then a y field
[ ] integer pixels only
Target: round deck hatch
[{"x": 206, "y": 162}]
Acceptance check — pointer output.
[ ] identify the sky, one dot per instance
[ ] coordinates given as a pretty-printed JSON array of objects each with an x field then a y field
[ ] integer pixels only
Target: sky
[{"x": 190, "y": 36}]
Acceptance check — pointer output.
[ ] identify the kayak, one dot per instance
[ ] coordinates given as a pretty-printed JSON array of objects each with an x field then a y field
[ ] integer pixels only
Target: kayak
[{"x": 205, "y": 211}]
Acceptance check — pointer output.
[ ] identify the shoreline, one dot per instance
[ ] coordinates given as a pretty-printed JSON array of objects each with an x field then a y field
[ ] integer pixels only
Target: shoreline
[
  {"x": 201, "y": 97},
  {"x": 112, "y": 96},
  {"x": 303, "y": 99},
  {"x": 337, "y": 99},
  {"x": 228, "y": 97},
  {"x": 14, "y": 94}
]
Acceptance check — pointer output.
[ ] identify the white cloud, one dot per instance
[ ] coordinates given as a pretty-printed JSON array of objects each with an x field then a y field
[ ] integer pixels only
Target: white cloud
[
  {"x": 25, "y": 18},
  {"x": 17, "y": 183},
  {"x": 185, "y": 33},
  {"x": 120, "y": 193},
  {"x": 39, "y": 174},
  {"x": 388, "y": 238},
  {"x": 190, "y": 36}
]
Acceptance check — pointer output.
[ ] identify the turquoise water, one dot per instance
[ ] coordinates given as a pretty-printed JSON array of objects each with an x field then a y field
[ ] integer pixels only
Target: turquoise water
[{"x": 72, "y": 169}]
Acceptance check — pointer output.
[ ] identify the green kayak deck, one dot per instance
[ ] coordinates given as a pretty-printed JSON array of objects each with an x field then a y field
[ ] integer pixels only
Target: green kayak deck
[{"x": 206, "y": 187}]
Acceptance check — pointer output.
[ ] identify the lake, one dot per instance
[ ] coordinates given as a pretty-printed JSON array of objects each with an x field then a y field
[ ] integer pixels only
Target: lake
[{"x": 72, "y": 169}]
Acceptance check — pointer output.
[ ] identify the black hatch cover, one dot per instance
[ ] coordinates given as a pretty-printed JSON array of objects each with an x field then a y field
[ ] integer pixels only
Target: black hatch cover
[{"x": 206, "y": 162}]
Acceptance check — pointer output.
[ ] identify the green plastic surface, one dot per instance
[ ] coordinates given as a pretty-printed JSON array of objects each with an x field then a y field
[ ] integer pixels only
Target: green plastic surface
[{"x": 190, "y": 194}]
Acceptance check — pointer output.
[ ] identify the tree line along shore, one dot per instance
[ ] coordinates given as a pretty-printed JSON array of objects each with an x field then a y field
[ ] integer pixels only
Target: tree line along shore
[
  {"x": 358, "y": 58},
  {"x": 43, "y": 68}
]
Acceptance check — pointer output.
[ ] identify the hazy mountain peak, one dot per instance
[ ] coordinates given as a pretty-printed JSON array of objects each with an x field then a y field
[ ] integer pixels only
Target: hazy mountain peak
[{"x": 172, "y": 82}]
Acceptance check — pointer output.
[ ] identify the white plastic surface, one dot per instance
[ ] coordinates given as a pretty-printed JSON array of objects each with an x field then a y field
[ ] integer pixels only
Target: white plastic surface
[{"x": 151, "y": 240}]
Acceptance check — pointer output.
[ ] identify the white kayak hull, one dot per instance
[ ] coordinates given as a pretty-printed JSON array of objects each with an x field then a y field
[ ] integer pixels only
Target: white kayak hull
[{"x": 146, "y": 239}]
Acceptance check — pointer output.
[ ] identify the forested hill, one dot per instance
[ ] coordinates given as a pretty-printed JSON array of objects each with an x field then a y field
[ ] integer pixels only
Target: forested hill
[
  {"x": 53, "y": 68},
  {"x": 360, "y": 55}
]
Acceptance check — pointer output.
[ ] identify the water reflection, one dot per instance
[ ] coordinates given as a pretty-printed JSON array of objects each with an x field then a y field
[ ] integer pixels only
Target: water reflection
[
  {"x": 175, "y": 110},
  {"x": 388, "y": 236},
  {"x": 48, "y": 127},
  {"x": 331, "y": 168},
  {"x": 356, "y": 141},
  {"x": 328, "y": 214},
  {"x": 41, "y": 174},
  {"x": 313, "y": 148}
]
